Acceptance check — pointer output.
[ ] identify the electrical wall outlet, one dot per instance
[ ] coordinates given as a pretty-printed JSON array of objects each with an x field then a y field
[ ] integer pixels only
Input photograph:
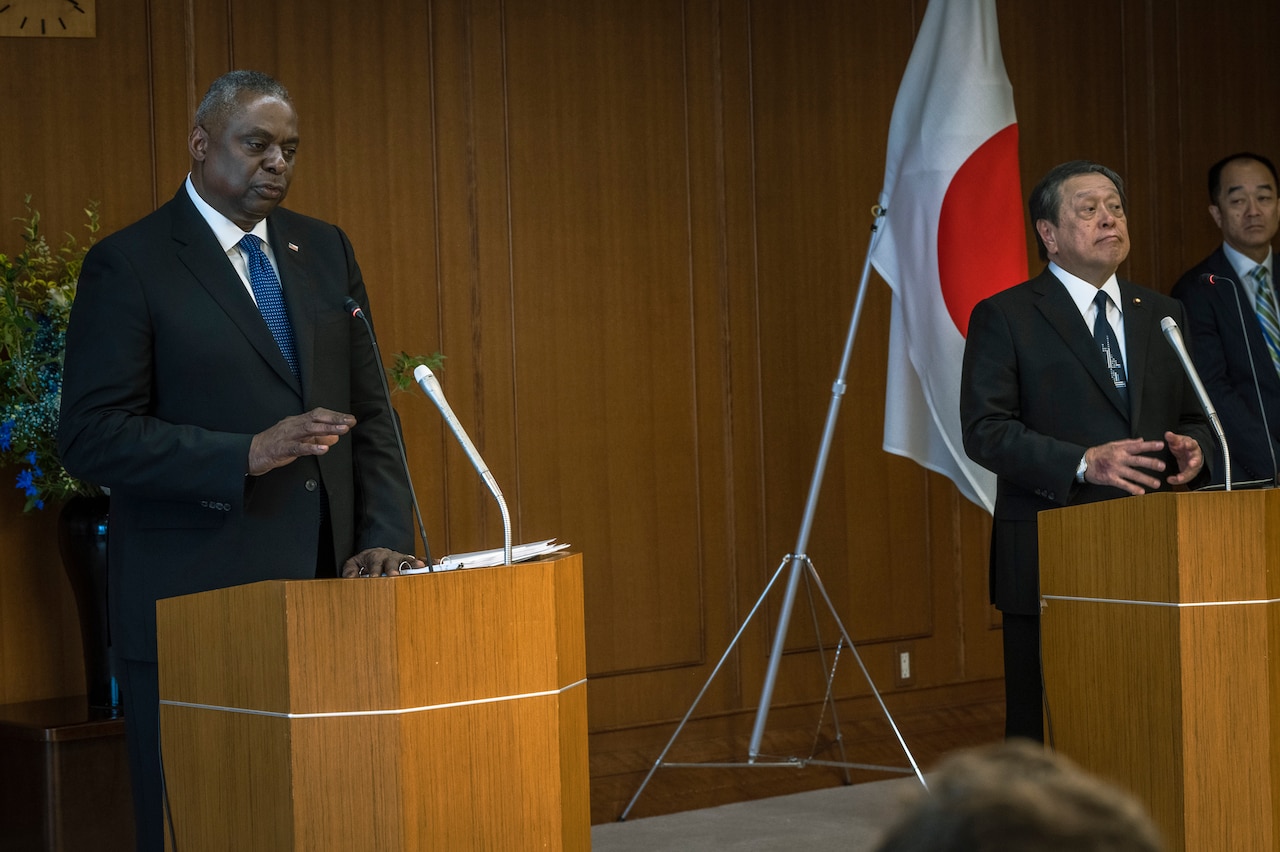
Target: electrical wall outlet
[{"x": 904, "y": 673}]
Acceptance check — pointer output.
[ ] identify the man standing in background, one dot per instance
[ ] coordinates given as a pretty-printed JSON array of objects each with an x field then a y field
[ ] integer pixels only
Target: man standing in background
[
  {"x": 1233, "y": 321},
  {"x": 1070, "y": 394},
  {"x": 216, "y": 385}
]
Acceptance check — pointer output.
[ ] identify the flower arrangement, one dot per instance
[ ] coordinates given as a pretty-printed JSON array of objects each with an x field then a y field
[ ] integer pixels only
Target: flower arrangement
[{"x": 37, "y": 287}]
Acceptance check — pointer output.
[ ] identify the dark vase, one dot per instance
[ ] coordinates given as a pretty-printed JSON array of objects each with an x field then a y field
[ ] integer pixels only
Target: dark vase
[{"x": 82, "y": 541}]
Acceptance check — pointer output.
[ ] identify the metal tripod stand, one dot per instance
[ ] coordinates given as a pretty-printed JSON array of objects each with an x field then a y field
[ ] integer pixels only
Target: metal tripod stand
[{"x": 801, "y": 568}]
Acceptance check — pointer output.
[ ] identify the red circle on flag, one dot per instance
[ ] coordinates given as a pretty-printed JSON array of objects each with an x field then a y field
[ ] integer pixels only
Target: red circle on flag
[{"x": 982, "y": 247}]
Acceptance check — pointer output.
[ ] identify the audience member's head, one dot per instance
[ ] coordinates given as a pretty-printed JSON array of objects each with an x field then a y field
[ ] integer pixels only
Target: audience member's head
[
  {"x": 1018, "y": 797},
  {"x": 1243, "y": 202}
]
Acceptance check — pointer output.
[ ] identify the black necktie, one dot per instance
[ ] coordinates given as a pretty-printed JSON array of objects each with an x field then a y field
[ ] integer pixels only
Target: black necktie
[{"x": 1107, "y": 342}]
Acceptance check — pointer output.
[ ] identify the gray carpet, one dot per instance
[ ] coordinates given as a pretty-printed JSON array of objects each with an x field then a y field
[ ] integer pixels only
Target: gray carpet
[{"x": 849, "y": 819}]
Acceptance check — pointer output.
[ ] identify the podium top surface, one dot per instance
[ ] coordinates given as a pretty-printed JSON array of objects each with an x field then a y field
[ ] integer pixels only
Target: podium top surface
[
  {"x": 1170, "y": 547},
  {"x": 376, "y": 645}
]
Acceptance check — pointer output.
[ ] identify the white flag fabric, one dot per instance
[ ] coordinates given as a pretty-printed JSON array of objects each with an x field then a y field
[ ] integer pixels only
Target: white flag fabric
[{"x": 954, "y": 231}]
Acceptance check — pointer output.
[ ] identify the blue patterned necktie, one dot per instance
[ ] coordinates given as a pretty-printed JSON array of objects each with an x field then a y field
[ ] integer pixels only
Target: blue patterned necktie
[
  {"x": 1107, "y": 342},
  {"x": 1266, "y": 310},
  {"x": 270, "y": 298}
]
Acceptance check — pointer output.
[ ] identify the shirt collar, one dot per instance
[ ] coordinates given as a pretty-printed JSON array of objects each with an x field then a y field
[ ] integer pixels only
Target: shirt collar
[
  {"x": 1082, "y": 292},
  {"x": 1244, "y": 265},
  {"x": 228, "y": 233}
]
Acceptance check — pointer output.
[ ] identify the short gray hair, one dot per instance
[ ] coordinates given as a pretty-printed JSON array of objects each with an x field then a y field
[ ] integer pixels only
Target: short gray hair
[{"x": 223, "y": 97}]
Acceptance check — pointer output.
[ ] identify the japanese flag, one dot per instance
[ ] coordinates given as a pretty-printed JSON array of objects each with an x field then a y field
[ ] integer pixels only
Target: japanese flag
[{"x": 954, "y": 232}]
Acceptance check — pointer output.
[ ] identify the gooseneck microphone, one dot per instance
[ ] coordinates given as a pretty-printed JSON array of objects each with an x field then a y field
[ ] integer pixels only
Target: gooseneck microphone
[
  {"x": 1174, "y": 335},
  {"x": 353, "y": 307},
  {"x": 1214, "y": 281},
  {"x": 431, "y": 387}
]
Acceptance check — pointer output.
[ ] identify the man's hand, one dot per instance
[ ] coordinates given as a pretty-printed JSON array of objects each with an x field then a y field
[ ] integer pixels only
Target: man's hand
[
  {"x": 1122, "y": 464},
  {"x": 1187, "y": 452},
  {"x": 310, "y": 434},
  {"x": 377, "y": 561}
]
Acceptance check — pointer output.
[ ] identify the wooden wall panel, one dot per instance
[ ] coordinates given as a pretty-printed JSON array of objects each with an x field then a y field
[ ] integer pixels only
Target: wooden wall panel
[
  {"x": 79, "y": 117},
  {"x": 811, "y": 92},
  {"x": 600, "y": 187},
  {"x": 1223, "y": 86},
  {"x": 636, "y": 230}
]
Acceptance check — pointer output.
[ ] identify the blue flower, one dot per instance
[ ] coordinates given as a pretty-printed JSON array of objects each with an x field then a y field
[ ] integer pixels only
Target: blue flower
[
  {"x": 25, "y": 483},
  {"x": 6, "y": 433}
]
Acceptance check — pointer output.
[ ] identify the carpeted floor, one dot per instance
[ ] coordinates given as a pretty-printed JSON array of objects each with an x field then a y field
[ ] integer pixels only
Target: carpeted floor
[{"x": 849, "y": 819}]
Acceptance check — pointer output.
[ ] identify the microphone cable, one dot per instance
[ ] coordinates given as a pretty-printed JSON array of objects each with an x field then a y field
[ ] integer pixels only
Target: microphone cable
[
  {"x": 1253, "y": 368},
  {"x": 352, "y": 307}
]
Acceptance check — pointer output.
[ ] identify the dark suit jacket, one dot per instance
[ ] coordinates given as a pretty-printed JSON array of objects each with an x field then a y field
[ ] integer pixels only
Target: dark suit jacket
[
  {"x": 171, "y": 370},
  {"x": 1222, "y": 337},
  {"x": 1035, "y": 394}
]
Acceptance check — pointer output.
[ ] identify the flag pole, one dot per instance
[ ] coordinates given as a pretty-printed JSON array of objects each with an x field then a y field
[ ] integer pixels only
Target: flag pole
[
  {"x": 799, "y": 558},
  {"x": 801, "y": 566}
]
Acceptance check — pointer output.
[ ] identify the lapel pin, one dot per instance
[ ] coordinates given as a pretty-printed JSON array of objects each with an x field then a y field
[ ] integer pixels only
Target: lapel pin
[
  {"x": 1136, "y": 300},
  {"x": 293, "y": 246}
]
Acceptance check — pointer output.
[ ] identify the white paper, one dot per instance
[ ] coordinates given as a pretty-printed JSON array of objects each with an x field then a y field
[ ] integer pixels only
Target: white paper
[{"x": 489, "y": 558}]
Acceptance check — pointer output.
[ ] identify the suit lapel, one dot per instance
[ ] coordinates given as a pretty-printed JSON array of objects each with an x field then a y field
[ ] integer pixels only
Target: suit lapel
[
  {"x": 211, "y": 267},
  {"x": 1057, "y": 308},
  {"x": 1139, "y": 326},
  {"x": 1238, "y": 312}
]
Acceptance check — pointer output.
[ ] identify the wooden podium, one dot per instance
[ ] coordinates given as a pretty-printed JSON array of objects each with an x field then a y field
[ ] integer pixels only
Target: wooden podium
[
  {"x": 425, "y": 712},
  {"x": 1161, "y": 646}
]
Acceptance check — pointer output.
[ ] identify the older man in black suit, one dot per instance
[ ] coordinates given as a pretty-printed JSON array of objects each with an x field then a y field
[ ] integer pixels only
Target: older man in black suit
[
  {"x": 216, "y": 385},
  {"x": 1070, "y": 394},
  {"x": 1232, "y": 318}
]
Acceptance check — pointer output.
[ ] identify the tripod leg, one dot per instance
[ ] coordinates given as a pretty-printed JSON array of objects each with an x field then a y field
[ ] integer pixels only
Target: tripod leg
[
  {"x": 830, "y": 672},
  {"x": 688, "y": 713},
  {"x": 817, "y": 581}
]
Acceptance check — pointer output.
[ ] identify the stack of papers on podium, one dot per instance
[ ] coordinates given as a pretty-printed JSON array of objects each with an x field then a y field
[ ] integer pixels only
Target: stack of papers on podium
[{"x": 489, "y": 558}]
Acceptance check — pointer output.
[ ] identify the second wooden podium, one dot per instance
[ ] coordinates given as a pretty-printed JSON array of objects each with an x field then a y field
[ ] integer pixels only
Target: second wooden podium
[
  {"x": 1161, "y": 645},
  {"x": 436, "y": 711}
]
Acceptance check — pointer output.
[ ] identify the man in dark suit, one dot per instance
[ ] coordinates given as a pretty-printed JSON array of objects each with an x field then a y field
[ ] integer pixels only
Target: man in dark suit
[
  {"x": 1227, "y": 316},
  {"x": 234, "y": 450},
  {"x": 1066, "y": 406}
]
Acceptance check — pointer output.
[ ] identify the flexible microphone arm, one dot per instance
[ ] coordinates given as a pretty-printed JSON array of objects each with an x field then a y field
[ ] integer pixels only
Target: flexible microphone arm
[
  {"x": 353, "y": 307},
  {"x": 1174, "y": 335},
  {"x": 1213, "y": 281},
  {"x": 431, "y": 387}
]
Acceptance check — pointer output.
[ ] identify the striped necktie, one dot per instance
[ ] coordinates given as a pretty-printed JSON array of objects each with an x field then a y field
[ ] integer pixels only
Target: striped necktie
[
  {"x": 1266, "y": 309},
  {"x": 1110, "y": 346},
  {"x": 270, "y": 298}
]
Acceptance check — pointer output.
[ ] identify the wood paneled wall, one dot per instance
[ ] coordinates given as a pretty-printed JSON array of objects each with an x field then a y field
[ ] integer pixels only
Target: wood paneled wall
[{"x": 636, "y": 230}]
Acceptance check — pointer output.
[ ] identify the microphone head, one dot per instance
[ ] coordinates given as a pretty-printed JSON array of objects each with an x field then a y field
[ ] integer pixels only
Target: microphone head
[
  {"x": 352, "y": 307},
  {"x": 1215, "y": 280},
  {"x": 428, "y": 382},
  {"x": 1167, "y": 325}
]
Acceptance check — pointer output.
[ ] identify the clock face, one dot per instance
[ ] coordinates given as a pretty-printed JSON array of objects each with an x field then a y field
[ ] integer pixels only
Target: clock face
[{"x": 48, "y": 18}]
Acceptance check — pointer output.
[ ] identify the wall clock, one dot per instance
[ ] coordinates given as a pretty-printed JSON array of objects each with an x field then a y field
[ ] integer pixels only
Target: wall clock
[{"x": 48, "y": 18}]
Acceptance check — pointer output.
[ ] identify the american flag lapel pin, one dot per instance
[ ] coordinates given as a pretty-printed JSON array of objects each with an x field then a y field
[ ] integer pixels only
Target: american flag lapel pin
[{"x": 293, "y": 246}]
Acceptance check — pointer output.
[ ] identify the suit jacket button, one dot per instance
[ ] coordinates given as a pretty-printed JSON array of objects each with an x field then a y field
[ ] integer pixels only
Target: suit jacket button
[{"x": 312, "y": 485}]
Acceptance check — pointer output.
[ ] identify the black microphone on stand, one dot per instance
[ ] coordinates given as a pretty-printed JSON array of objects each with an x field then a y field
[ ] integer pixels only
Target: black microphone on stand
[
  {"x": 1214, "y": 281},
  {"x": 353, "y": 307}
]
